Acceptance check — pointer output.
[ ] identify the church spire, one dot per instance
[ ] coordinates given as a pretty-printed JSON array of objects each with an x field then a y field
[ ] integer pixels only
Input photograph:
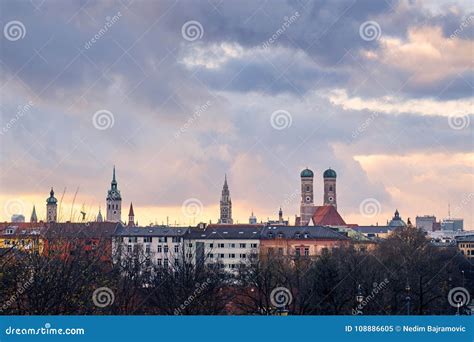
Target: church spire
[
  {"x": 33, "y": 218},
  {"x": 131, "y": 216},
  {"x": 225, "y": 204}
]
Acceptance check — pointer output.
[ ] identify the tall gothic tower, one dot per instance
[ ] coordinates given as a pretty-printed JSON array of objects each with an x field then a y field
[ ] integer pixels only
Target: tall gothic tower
[
  {"x": 226, "y": 204},
  {"x": 51, "y": 207},
  {"x": 114, "y": 202},
  {"x": 307, "y": 196},
  {"x": 330, "y": 187}
]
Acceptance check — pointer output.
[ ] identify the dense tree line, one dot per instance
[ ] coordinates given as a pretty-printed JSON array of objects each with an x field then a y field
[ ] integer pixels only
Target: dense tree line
[{"x": 403, "y": 274}]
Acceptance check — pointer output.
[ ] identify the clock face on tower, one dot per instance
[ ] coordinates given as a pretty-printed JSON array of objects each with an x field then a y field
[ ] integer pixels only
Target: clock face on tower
[
  {"x": 331, "y": 199},
  {"x": 308, "y": 199}
]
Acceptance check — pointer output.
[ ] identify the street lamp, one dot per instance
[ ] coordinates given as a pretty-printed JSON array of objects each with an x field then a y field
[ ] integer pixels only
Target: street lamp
[{"x": 408, "y": 298}]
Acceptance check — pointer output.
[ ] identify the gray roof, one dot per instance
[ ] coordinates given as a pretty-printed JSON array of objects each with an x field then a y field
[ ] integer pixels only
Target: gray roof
[
  {"x": 151, "y": 231},
  {"x": 230, "y": 232},
  {"x": 305, "y": 232},
  {"x": 373, "y": 229},
  {"x": 465, "y": 238}
]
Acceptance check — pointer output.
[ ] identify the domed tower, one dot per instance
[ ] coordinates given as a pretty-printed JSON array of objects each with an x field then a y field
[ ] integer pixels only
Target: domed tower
[
  {"x": 114, "y": 202},
  {"x": 51, "y": 207},
  {"x": 330, "y": 187},
  {"x": 307, "y": 196}
]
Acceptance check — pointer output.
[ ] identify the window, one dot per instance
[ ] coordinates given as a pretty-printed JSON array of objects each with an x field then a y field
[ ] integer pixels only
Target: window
[
  {"x": 190, "y": 245},
  {"x": 211, "y": 256},
  {"x": 330, "y": 188},
  {"x": 297, "y": 252},
  {"x": 306, "y": 251},
  {"x": 160, "y": 249},
  {"x": 280, "y": 251},
  {"x": 159, "y": 262},
  {"x": 147, "y": 239},
  {"x": 232, "y": 266},
  {"x": 176, "y": 262},
  {"x": 243, "y": 245},
  {"x": 270, "y": 251},
  {"x": 270, "y": 235},
  {"x": 298, "y": 235},
  {"x": 162, "y": 239},
  {"x": 165, "y": 263},
  {"x": 280, "y": 235},
  {"x": 221, "y": 255},
  {"x": 306, "y": 235},
  {"x": 232, "y": 255},
  {"x": 253, "y": 245},
  {"x": 9, "y": 231},
  {"x": 243, "y": 256},
  {"x": 220, "y": 245},
  {"x": 176, "y": 249},
  {"x": 211, "y": 245},
  {"x": 166, "y": 248},
  {"x": 147, "y": 249},
  {"x": 129, "y": 248},
  {"x": 176, "y": 239},
  {"x": 132, "y": 239},
  {"x": 232, "y": 245}
]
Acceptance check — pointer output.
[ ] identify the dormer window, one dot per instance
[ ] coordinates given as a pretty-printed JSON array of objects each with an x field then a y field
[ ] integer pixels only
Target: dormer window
[
  {"x": 10, "y": 231},
  {"x": 280, "y": 235},
  {"x": 270, "y": 235},
  {"x": 298, "y": 235}
]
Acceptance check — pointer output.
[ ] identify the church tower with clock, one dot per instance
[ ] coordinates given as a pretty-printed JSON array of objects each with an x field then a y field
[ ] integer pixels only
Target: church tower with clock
[
  {"x": 226, "y": 205},
  {"x": 330, "y": 187},
  {"x": 114, "y": 202},
  {"x": 307, "y": 196}
]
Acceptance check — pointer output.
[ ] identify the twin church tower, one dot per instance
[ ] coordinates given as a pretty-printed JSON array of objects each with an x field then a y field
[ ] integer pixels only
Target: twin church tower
[{"x": 307, "y": 207}]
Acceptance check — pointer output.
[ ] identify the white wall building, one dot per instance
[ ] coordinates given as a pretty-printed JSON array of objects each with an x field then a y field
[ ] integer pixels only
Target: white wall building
[{"x": 229, "y": 247}]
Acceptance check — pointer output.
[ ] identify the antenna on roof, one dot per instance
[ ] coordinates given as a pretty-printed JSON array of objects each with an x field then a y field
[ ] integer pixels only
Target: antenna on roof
[
  {"x": 73, "y": 201},
  {"x": 60, "y": 203}
]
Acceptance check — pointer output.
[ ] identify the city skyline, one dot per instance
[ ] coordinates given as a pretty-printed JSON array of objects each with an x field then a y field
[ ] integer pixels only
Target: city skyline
[
  {"x": 193, "y": 211},
  {"x": 177, "y": 100}
]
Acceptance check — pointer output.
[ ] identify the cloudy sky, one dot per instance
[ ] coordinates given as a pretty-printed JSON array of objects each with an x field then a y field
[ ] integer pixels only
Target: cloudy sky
[{"x": 177, "y": 94}]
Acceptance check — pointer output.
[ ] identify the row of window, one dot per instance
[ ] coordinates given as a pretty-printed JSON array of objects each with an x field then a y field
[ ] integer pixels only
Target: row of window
[
  {"x": 159, "y": 249},
  {"x": 230, "y": 255},
  {"x": 230, "y": 245},
  {"x": 298, "y": 251},
  {"x": 466, "y": 245},
  {"x": 149, "y": 239},
  {"x": 281, "y": 235}
]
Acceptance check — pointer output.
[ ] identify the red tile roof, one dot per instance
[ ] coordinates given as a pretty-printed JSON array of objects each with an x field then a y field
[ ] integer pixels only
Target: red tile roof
[{"x": 327, "y": 215}]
